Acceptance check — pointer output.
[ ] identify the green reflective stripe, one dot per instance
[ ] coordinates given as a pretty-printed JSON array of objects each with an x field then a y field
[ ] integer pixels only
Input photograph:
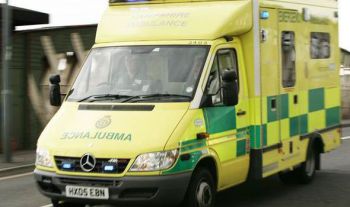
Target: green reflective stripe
[
  {"x": 333, "y": 116},
  {"x": 271, "y": 112},
  {"x": 298, "y": 125},
  {"x": 316, "y": 99},
  {"x": 294, "y": 126},
  {"x": 220, "y": 119},
  {"x": 194, "y": 145},
  {"x": 304, "y": 126},
  {"x": 185, "y": 165},
  {"x": 255, "y": 136},
  {"x": 284, "y": 104},
  {"x": 264, "y": 131},
  {"x": 241, "y": 147},
  {"x": 243, "y": 132}
]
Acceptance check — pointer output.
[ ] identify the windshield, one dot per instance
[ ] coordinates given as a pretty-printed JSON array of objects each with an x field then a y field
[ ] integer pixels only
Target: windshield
[{"x": 152, "y": 73}]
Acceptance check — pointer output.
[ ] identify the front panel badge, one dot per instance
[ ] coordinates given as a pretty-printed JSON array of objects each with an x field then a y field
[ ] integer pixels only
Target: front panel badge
[
  {"x": 87, "y": 162},
  {"x": 103, "y": 122}
]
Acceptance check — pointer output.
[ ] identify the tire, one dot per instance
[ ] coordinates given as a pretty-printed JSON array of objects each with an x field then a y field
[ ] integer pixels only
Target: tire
[
  {"x": 304, "y": 174},
  {"x": 307, "y": 171},
  {"x": 201, "y": 191},
  {"x": 71, "y": 204},
  {"x": 57, "y": 203}
]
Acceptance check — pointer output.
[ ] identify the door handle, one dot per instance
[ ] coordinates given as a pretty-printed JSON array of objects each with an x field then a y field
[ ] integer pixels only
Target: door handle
[
  {"x": 273, "y": 104},
  {"x": 241, "y": 113},
  {"x": 295, "y": 99}
]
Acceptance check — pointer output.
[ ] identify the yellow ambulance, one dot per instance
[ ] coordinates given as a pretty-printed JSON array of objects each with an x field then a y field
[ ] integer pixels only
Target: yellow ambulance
[{"x": 181, "y": 99}]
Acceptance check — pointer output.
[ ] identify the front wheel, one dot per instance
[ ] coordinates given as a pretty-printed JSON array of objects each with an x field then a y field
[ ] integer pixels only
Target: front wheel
[
  {"x": 201, "y": 191},
  {"x": 57, "y": 203}
]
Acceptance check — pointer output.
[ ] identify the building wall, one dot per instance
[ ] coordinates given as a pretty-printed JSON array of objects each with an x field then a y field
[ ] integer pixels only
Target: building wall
[
  {"x": 29, "y": 58},
  {"x": 345, "y": 61},
  {"x": 345, "y": 83}
]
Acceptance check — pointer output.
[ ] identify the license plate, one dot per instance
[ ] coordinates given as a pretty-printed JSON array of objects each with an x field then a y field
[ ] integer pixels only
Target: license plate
[{"x": 87, "y": 192}]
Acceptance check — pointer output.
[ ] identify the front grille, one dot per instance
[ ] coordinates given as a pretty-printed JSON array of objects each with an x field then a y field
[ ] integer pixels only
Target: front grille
[
  {"x": 100, "y": 162},
  {"x": 89, "y": 182}
]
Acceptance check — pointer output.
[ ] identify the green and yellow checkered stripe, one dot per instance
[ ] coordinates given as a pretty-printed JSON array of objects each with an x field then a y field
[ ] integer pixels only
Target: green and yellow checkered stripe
[
  {"x": 220, "y": 121},
  {"x": 316, "y": 109}
]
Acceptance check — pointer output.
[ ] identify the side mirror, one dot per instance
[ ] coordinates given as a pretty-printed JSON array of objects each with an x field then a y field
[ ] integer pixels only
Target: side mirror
[
  {"x": 55, "y": 90},
  {"x": 230, "y": 88}
]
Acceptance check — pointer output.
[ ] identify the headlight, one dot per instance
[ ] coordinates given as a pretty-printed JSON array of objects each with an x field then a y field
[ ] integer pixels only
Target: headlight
[
  {"x": 154, "y": 161},
  {"x": 43, "y": 158}
]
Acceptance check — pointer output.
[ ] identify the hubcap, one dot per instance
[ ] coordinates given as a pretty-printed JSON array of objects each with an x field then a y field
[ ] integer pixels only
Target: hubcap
[
  {"x": 310, "y": 165},
  {"x": 204, "y": 195}
]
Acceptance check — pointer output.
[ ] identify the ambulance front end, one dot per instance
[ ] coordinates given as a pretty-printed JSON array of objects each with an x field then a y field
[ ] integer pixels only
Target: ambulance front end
[
  {"x": 114, "y": 127},
  {"x": 132, "y": 129}
]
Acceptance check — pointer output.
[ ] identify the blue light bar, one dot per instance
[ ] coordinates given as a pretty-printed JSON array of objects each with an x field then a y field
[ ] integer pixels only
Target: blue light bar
[
  {"x": 265, "y": 15},
  {"x": 109, "y": 168},
  {"x": 67, "y": 166}
]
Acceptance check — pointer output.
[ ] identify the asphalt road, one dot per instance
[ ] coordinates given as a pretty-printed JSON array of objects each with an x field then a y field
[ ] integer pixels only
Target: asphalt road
[{"x": 331, "y": 188}]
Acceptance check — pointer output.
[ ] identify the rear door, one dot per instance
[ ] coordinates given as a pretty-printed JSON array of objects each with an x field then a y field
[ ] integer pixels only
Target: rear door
[
  {"x": 270, "y": 89},
  {"x": 290, "y": 42},
  {"x": 280, "y": 89}
]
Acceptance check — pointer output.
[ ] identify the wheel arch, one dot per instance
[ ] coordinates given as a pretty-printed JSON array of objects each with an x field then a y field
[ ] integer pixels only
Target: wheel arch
[
  {"x": 209, "y": 162},
  {"x": 316, "y": 142}
]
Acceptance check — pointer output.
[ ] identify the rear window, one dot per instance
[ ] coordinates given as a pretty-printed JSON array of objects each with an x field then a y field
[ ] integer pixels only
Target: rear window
[{"x": 320, "y": 45}]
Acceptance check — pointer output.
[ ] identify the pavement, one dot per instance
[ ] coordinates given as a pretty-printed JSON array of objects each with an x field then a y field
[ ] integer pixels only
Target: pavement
[
  {"x": 23, "y": 161},
  {"x": 345, "y": 123}
]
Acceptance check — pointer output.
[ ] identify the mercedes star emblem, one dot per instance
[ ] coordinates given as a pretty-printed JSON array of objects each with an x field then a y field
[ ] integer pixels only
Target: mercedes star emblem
[{"x": 87, "y": 162}]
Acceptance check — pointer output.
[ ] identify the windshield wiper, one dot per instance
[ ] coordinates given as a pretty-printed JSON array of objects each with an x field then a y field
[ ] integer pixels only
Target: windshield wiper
[
  {"x": 114, "y": 96},
  {"x": 157, "y": 95}
]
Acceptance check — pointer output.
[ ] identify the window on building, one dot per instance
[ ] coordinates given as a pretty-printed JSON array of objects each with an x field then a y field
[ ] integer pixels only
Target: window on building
[
  {"x": 288, "y": 59},
  {"x": 320, "y": 45}
]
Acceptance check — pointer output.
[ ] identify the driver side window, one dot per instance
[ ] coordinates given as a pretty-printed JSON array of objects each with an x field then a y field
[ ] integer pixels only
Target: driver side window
[{"x": 225, "y": 59}]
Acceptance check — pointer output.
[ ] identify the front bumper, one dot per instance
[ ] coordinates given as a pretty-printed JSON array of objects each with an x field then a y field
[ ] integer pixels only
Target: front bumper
[{"x": 146, "y": 190}]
